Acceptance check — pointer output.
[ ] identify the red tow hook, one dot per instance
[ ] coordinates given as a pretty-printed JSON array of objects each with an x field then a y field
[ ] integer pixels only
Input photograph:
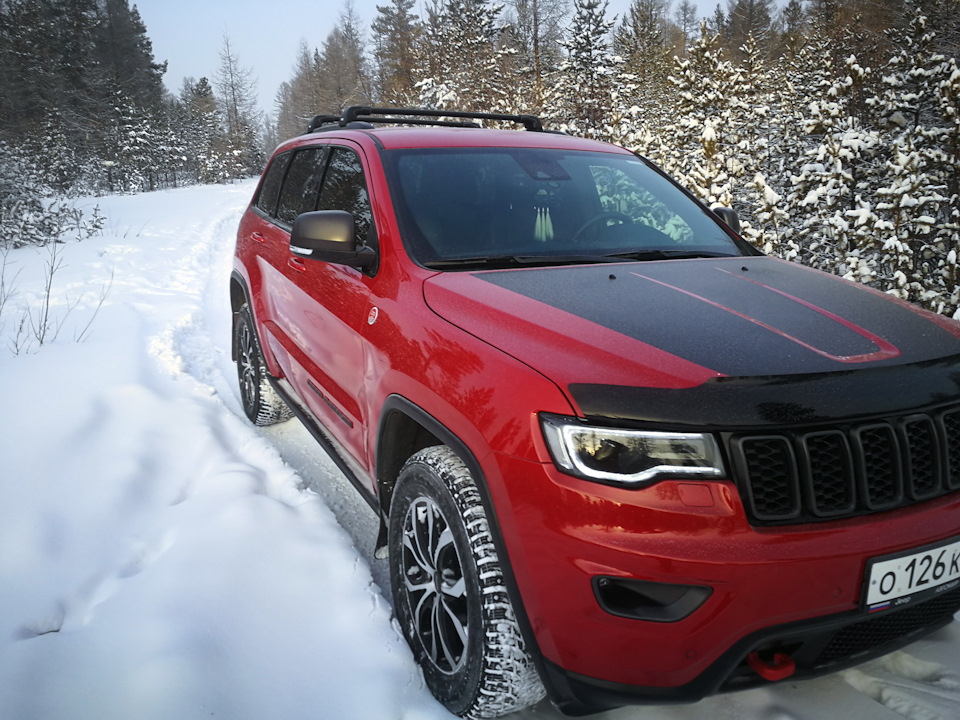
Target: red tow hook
[{"x": 782, "y": 666}]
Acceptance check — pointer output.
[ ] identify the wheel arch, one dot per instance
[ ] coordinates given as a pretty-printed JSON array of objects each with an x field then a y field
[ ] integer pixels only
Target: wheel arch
[
  {"x": 239, "y": 296},
  {"x": 406, "y": 428}
]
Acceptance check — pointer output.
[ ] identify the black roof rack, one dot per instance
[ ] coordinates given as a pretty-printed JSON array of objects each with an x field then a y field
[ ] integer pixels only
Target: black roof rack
[{"x": 363, "y": 117}]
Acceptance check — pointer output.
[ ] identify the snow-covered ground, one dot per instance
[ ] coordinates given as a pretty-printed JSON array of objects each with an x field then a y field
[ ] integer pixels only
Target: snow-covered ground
[{"x": 160, "y": 558}]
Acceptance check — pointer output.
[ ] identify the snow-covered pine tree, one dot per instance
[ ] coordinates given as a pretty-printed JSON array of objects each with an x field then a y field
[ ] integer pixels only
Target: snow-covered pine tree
[
  {"x": 914, "y": 226},
  {"x": 641, "y": 40},
  {"x": 581, "y": 97},
  {"x": 537, "y": 26},
  {"x": 949, "y": 91},
  {"x": 701, "y": 146},
  {"x": 465, "y": 68},
  {"x": 396, "y": 33},
  {"x": 832, "y": 200}
]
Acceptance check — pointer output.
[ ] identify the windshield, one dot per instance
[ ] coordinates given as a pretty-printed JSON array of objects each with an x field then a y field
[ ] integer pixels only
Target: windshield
[{"x": 508, "y": 206}]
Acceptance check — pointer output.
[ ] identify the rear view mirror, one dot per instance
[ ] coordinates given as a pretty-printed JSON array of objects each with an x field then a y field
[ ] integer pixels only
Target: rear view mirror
[
  {"x": 729, "y": 217},
  {"x": 329, "y": 235}
]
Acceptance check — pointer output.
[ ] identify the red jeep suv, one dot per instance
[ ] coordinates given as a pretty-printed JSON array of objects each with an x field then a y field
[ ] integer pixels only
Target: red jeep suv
[{"x": 618, "y": 454}]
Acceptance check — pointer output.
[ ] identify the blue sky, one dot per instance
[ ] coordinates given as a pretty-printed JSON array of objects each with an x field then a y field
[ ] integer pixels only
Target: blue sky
[{"x": 188, "y": 34}]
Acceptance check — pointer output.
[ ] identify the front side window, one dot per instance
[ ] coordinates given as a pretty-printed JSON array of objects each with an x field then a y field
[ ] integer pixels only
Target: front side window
[
  {"x": 529, "y": 204},
  {"x": 344, "y": 188},
  {"x": 300, "y": 187}
]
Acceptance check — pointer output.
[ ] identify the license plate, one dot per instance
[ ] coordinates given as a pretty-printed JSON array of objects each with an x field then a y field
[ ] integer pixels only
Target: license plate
[{"x": 903, "y": 579}]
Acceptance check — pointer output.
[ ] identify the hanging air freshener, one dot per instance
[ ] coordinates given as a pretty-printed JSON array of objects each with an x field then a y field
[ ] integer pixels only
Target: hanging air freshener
[{"x": 543, "y": 227}]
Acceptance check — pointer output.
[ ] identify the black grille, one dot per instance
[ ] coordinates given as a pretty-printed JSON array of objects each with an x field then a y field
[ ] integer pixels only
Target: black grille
[
  {"x": 922, "y": 456},
  {"x": 951, "y": 428},
  {"x": 772, "y": 459},
  {"x": 829, "y": 460},
  {"x": 805, "y": 475}
]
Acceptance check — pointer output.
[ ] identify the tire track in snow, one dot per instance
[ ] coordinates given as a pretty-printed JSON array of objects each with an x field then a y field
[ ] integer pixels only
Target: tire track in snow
[{"x": 909, "y": 686}]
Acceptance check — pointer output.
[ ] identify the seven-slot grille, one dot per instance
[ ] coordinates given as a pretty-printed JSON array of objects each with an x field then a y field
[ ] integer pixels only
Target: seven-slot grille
[{"x": 803, "y": 475}]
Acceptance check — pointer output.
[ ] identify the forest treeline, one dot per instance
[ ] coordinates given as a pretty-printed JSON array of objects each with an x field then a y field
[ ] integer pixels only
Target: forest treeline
[{"x": 832, "y": 126}]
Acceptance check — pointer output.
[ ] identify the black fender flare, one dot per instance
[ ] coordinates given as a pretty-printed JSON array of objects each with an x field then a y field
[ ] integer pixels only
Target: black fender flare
[{"x": 400, "y": 404}]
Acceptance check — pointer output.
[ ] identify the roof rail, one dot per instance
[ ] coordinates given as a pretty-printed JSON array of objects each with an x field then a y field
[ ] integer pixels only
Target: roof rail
[{"x": 362, "y": 116}]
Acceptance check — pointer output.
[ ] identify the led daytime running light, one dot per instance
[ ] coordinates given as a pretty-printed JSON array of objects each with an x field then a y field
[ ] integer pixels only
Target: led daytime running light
[{"x": 629, "y": 457}]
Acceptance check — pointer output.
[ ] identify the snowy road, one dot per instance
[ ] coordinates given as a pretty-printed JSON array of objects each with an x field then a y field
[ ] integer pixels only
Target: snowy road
[{"x": 160, "y": 558}]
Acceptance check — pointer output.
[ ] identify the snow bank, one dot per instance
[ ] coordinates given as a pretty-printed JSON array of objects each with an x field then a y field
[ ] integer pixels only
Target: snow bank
[
  {"x": 161, "y": 558},
  {"x": 157, "y": 559}
]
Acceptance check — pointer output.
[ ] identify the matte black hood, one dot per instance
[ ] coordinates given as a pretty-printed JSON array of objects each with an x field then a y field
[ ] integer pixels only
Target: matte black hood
[{"x": 700, "y": 324}]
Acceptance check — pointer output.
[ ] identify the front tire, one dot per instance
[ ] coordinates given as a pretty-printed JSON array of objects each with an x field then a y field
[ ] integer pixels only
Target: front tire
[
  {"x": 261, "y": 404},
  {"x": 458, "y": 621}
]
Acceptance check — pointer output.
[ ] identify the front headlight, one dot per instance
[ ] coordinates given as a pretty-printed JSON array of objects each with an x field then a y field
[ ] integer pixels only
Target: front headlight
[{"x": 629, "y": 457}]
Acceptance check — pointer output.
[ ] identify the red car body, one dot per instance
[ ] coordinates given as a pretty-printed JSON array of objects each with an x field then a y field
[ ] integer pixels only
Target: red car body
[{"x": 771, "y": 359}]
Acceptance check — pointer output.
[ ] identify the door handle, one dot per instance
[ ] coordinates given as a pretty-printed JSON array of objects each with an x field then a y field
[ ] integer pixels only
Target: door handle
[
  {"x": 258, "y": 237},
  {"x": 297, "y": 264}
]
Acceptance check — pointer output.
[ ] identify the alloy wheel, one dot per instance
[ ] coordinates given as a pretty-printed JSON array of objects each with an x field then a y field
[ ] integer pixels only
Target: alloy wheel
[{"x": 434, "y": 585}]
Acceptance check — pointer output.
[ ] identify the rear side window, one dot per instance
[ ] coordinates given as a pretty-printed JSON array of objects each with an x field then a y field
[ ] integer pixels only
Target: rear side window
[
  {"x": 346, "y": 189},
  {"x": 299, "y": 193},
  {"x": 270, "y": 188}
]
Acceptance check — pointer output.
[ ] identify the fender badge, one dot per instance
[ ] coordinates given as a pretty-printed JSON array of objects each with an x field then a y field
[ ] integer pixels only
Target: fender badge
[{"x": 372, "y": 316}]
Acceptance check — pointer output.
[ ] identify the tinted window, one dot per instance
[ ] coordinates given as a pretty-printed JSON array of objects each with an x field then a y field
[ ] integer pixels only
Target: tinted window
[
  {"x": 346, "y": 189},
  {"x": 467, "y": 204},
  {"x": 270, "y": 187},
  {"x": 299, "y": 194}
]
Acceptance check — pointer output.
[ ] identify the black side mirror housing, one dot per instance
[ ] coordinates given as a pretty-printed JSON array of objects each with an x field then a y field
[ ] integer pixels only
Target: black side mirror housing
[
  {"x": 729, "y": 217},
  {"x": 329, "y": 236}
]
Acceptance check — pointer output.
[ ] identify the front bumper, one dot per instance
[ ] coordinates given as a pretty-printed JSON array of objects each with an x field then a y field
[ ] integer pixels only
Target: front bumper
[{"x": 796, "y": 588}]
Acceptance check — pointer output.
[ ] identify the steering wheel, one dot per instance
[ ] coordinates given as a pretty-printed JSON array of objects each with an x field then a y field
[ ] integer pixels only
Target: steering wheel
[{"x": 600, "y": 217}]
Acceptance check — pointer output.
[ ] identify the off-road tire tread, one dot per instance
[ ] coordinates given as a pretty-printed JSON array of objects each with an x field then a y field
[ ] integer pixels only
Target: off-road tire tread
[
  {"x": 270, "y": 407},
  {"x": 509, "y": 680}
]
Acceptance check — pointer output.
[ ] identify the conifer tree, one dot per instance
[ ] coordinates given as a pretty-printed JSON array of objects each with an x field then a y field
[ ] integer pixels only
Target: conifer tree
[
  {"x": 917, "y": 237},
  {"x": 537, "y": 27},
  {"x": 641, "y": 40},
  {"x": 342, "y": 76},
  {"x": 582, "y": 98},
  {"x": 236, "y": 90},
  {"x": 832, "y": 201},
  {"x": 396, "y": 34},
  {"x": 688, "y": 22},
  {"x": 464, "y": 35},
  {"x": 701, "y": 145}
]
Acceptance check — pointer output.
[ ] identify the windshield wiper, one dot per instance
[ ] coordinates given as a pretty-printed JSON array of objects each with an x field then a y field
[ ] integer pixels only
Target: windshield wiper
[
  {"x": 654, "y": 254},
  {"x": 502, "y": 261},
  {"x": 509, "y": 261}
]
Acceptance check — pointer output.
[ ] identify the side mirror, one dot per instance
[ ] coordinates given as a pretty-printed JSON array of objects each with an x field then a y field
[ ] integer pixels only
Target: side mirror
[
  {"x": 329, "y": 235},
  {"x": 729, "y": 216}
]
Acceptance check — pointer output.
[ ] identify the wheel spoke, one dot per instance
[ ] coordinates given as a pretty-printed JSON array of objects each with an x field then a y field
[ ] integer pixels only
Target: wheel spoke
[
  {"x": 441, "y": 629},
  {"x": 455, "y": 622},
  {"x": 432, "y": 632},
  {"x": 458, "y": 590},
  {"x": 412, "y": 540},
  {"x": 443, "y": 542}
]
